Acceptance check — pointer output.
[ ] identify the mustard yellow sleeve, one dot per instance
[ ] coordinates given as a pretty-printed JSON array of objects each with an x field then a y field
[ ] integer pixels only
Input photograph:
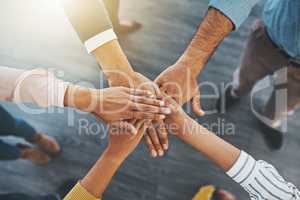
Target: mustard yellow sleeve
[{"x": 79, "y": 193}]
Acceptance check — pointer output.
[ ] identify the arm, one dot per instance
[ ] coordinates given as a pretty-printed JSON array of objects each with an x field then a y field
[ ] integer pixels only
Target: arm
[
  {"x": 260, "y": 179},
  {"x": 98, "y": 178},
  {"x": 221, "y": 18}
]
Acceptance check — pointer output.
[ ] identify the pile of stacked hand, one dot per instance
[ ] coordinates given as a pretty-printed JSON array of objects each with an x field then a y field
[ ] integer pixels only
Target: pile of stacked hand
[{"x": 134, "y": 105}]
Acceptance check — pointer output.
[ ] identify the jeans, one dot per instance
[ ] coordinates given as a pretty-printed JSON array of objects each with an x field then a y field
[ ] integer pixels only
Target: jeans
[
  {"x": 16, "y": 196},
  {"x": 11, "y": 126}
]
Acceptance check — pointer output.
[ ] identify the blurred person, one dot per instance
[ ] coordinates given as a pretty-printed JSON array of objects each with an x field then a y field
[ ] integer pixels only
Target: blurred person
[
  {"x": 120, "y": 25},
  {"x": 272, "y": 45},
  {"x": 11, "y": 126}
]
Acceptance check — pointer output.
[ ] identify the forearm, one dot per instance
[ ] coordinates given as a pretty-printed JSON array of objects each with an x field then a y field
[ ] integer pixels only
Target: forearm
[
  {"x": 112, "y": 59},
  {"x": 217, "y": 150},
  {"x": 211, "y": 32},
  {"x": 99, "y": 177}
]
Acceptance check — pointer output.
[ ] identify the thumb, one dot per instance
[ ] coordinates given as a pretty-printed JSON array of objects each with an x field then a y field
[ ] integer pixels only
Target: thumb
[{"x": 196, "y": 105}]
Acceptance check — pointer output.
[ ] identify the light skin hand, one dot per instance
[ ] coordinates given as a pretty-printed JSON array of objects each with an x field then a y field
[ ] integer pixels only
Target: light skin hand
[
  {"x": 121, "y": 143},
  {"x": 119, "y": 72},
  {"x": 116, "y": 103},
  {"x": 179, "y": 81}
]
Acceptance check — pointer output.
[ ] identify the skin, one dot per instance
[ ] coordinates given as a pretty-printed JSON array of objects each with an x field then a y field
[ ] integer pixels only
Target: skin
[
  {"x": 180, "y": 80},
  {"x": 120, "y": 73},
  {"x": 121, "y": 144},
  {"x": 201, "y": 139},
  {"x": 116, "y": 103}
]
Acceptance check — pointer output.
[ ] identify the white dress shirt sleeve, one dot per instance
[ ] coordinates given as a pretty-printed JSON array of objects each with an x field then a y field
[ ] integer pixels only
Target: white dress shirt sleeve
[
  {"x": 35, "y": 86},
  {"x": 261, "y": 180}
]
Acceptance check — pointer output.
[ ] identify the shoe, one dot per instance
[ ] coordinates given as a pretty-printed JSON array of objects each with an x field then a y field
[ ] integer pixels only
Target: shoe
[
  {"x": 226, "y": 100},
  {"x": 273, "y": 137},
  {"x": 46, "y": 143},
  {"x": 127, "y": 26},
  {"x": 34, "y": 155}
]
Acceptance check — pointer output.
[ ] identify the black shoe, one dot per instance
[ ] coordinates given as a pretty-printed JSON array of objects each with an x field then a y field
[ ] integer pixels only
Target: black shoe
[
  {"x": 226, "y": 100},
  {"x": 273, "y": 137}
]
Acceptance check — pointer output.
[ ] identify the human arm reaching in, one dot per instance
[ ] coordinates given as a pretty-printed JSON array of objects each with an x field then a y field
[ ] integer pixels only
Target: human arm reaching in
[
  {"x": 260, "y": 179},
  {"x": 180, "y": 79},
  {"x": 92, "y": 24},
  {"x": 121, "y": 144}
]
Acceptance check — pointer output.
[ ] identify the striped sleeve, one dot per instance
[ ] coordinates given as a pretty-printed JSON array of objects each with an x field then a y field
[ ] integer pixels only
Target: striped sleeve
[
  {"x": 91, "y": 21},
  {"x": 79, "y": 193},
  {"x": 261, "y": 180}
]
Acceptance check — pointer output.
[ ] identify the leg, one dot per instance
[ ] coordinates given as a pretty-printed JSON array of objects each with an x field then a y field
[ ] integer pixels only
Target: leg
[
  {"x": 9, "y": 152},
  {"x": 18, "y": 196},
  {"x": 285, "y": 98},
  {"x": 123, "y": 26},
  {"x": 260, "y": 59},
  {"x": 20, "y": 128},
  {"x": 14, "y": 126}
]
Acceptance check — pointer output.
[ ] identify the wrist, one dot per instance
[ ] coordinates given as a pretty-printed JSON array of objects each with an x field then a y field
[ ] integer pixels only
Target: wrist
[
  {"x": 79, "y": 97},
  {"x": 189, "y": 64},
  {"x": 116, "y": 157}
]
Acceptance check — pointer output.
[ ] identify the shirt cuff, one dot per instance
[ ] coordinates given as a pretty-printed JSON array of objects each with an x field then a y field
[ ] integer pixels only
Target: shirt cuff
[
  {"x": 243, "y": 168},
  {"x": 99, "y": 40},
  {"x": 236, "y": 10},
  {"x": 79, "y": 193}
]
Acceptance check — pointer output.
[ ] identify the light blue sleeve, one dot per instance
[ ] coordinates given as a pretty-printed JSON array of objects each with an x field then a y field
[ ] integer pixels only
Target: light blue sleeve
[{"x": 236, "y": 10}]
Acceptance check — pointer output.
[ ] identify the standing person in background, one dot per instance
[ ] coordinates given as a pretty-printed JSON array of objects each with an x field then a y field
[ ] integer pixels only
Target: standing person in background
[
  {"x": 11, "y": 126},
  {"x": 120, "y": 25}
]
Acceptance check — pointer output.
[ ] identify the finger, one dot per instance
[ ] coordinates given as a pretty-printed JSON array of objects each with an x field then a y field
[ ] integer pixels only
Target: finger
[
  {"x": 196, "y": 105},
  {"x": 122, "y": 127},
  {"x": 155, "y": 140},
  {"x": 146, "y": 100},
  {"x": 150, "y": 145},
  {"x": 163, "y": 135},
  {"x": 146, "y": 115},
  {"x": 151, "y": 109},
  {"x": 158, "y": 93},
  {"x": 138, "y": 92}
]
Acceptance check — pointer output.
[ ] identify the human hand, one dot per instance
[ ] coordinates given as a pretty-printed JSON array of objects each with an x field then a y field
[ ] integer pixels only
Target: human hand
[
  {"x": 120, "y": 103},
  {"x": 156, "y": 137},
  {"x": 122, "y": 141},
  {"x": 180, "y": 82},
  {"x": 116, "y": 103}
]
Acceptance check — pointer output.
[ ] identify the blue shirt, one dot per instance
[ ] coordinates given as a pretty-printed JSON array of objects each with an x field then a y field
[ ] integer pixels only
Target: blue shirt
[{"x": 281, "y": 17}]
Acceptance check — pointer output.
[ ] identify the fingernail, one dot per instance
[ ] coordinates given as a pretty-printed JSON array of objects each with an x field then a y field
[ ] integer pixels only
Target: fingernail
[
  {"x": 153, "y": 153},
  {"x": 165, "y": 146},
  {"x": 162, "y": 103},
  {"x": 162, "y": 117},
  {"x": 167, "y": 110},
  {"x": 160, "y": 152}
]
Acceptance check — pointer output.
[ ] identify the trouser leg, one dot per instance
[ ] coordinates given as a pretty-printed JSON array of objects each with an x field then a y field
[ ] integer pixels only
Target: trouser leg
[
  {"x": 286, "y": 96},
  {"x": 9, "y": 152},
  {"x": 260, "y": 58},
  {"x": 14, "y": 126}
]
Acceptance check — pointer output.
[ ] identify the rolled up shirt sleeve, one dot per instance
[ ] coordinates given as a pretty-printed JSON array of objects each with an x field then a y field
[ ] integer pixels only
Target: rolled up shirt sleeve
[
  {"x": 236, "y": 10},
  {"x": 261, "y": 180},
  {"x": 91, "y": 21},
  {"x": 37, "y": 86}
]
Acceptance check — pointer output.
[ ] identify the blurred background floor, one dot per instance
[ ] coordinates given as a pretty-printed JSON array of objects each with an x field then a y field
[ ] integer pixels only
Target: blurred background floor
[{"x": 35, "y": 33}]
